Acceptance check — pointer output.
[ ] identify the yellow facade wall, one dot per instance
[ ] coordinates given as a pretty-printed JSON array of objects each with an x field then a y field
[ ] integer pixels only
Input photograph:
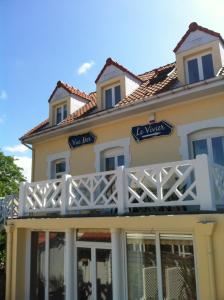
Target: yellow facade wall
[
  {"x": 207, "y": 231},
  {"x": 157, "y": 150}
]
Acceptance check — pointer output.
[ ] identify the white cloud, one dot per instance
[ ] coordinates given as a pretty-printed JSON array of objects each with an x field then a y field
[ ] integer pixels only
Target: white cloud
[
  {"x": 85, "y": 67},
  {"x": 25, "y": 163},
  {"x": 3, "y": 95},
  {"x": 17, "y": 148}
]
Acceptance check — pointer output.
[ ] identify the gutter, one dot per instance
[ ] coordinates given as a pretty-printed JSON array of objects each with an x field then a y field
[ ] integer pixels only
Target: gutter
[{"x": 145, "y": 103}]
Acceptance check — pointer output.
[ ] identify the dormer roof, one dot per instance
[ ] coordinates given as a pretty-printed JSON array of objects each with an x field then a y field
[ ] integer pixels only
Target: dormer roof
[
  {"x": 110, "y": 62},
  {"x": 71, "y": 90},
  {"x": 193, "y": 27}
]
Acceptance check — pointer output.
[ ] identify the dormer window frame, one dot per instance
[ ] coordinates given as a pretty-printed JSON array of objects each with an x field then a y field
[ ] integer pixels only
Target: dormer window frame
[
  {"x": 111, "y": 87},
  {"x": 64, "y": 112},
  {"x": 201, "y": 74}
]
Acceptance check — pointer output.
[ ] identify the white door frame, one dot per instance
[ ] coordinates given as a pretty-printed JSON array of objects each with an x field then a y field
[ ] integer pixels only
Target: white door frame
[{"x": 93, "y": 246}]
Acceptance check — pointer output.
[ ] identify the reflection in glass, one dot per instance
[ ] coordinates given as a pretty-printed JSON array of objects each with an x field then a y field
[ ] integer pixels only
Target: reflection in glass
[
  {"x": 37, "y": 266},
  {"x": 84, "y": 273},
  {"x": 56, "y": 265},
  {"x": 178, "y": 270},
  {"x": 141, "y": 266},
  {"x": 93, "y": 235},
  {"x": 104, "y": 274},
  {"x": 200, "y": 147},
  {"x": 218, "y": 150}
]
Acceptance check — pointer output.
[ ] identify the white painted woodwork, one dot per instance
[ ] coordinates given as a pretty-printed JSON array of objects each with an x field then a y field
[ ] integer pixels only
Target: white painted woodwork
[{"x": 181, "y": 183}]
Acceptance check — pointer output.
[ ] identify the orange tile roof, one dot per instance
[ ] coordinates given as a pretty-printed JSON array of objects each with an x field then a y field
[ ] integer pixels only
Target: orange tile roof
[
  {"x": 70, "y": 89},
  {"x": 193, "y": 27},
  {"x": 153, "y": 82},
  {"x": 109, "y": 62}
]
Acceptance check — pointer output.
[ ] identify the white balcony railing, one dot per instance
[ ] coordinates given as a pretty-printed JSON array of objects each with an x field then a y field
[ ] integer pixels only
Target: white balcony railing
[{"x": 182, "y": 183}]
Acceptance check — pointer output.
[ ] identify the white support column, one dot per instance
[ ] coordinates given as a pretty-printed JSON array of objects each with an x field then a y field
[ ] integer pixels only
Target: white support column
[
  {"x": 159, "y": 268},
  {"x": 69, "y": 264},
  {"x": 121, "y": 189},
  {"x": 117, "y": 275},
  {"x": 65, "y": 193},
  {"x": 22, "y": 198},
  {"x": 204, "y": 183}
]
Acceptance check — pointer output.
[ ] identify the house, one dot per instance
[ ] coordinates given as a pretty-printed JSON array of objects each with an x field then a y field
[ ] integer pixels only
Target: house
[{"x": 127, "y": 192}]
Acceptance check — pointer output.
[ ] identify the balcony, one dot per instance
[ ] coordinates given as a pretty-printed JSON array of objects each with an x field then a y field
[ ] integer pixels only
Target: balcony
[{"x": 189, "y": 185}]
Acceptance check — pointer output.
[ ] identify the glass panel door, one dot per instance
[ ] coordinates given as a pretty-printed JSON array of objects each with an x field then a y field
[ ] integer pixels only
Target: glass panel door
[
  {"x": 104, "y": 274},
  {"x": 94, "y": 273},
  {"x": 218, "y": 150},
  {"x": 200, "y": 147},
  {"x": 84, "y": 262}
]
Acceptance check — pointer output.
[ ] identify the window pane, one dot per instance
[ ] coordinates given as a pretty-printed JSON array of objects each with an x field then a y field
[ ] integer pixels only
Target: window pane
[
  {"x": 207, "y": 65},
  {"x": 178, "y": 270},
  {"x": 56, "y": 265},
  {"x": 120, "y": 160},
  {"x": 60, "y": 167},
  {"x": 59, "y": 115},
  {"x": 200, "y": 147},
  {"x": 218, "y": 150},
  {"x": 193, "y": 70},
  {"x": 104, "y": 274},
  {"x": 65, "y": 113},
  {"x": 108, "y": 98},
  {"x": 141, "y": 267},
  {"x": 93, "y": 235},
  {"x": 117, "y": 94},
  {"x": 37, "y": 266},
  {"x": 110, "y": 163},
  {"x": 84, "y": 274}
]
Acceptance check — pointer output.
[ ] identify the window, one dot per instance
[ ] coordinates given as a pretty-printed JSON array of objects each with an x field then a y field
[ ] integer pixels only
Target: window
[
  {"x": 210, "y": 142},
  {"x": 47, "y": 266},
  {"x": 59, "y": 168},
  {"x": 112, "y": 96},
  {"x": 61, "y": 113},
  {"x": 200, "y": 68},
  {"x": 160, "y": 264},
  {"x": 113, "y": 158}
]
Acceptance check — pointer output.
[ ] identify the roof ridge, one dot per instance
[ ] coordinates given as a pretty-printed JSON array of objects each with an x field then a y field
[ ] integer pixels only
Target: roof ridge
[{"x": 155, "y": 69}]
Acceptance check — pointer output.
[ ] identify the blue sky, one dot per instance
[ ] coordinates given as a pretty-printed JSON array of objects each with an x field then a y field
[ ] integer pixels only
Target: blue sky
[{"x": 43, "y": 41}]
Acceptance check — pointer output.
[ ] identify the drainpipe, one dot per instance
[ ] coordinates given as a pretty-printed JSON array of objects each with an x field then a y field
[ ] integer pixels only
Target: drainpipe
[
  {"x": 33, "y": 159},
  {"x": 9, "y": 230}
]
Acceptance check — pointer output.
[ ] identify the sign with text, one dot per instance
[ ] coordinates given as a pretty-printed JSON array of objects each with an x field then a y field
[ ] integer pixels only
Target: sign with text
[
  {"x": 152, "y": 130},
  {"x": 82, "y": 139}
]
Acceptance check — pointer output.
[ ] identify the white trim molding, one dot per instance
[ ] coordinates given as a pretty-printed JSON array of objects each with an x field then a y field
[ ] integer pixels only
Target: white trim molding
[
  {"x": 121, "y": 143},
  {"x": 52, "y": 157},
  {"x": 183, "y": 131}
]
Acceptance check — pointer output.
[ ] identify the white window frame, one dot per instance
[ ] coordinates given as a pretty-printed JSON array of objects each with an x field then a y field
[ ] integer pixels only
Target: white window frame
[
  {"x": 112, "y": 87},
  {"x": 206, "y": 134},
  {"x": 121, "y": 143},
  {"x": 157, "y": 237},
  {"x": 55, "y": 173},
  {"x": 61, "y": 106},
  {"x": 184, "y": 131},
  {"x": 200, "y": 67},
  {"x": 113, "y": 153},
  {"x": 56, "y": 157}
]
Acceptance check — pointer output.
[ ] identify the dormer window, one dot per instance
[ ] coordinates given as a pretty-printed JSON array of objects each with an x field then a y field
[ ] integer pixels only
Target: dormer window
[
  {"x": 61, "y": 113},
  {"x": 199, "y": 68},
  {"x": 112, "y": 96}
]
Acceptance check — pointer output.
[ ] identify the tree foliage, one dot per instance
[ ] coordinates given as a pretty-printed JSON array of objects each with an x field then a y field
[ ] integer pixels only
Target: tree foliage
[{"x": 10, "y": 175}]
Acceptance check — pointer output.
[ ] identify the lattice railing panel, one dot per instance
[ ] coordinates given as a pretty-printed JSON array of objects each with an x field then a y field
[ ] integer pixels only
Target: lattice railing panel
[
  {"x": 44, "y": 195},
  {"x": 9, "y": 207},
  {"x": 158, "y": 185},
  {"x": 217, "y": 172},
  {"x": 93, "y": 191}
]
